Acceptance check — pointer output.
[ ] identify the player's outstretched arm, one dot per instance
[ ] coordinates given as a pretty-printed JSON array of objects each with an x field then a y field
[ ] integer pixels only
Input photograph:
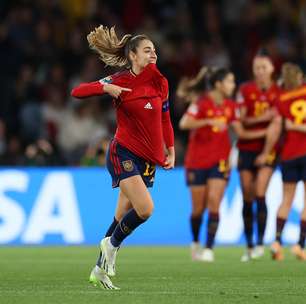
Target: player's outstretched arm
[
  {"x": 274, "y": 131},
  {"x": 189, "y": 122},
  {"x": 97, "y": 88}
]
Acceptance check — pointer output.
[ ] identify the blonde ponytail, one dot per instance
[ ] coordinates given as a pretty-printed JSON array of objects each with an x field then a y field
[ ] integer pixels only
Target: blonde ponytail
[
  {"x": 105, "y": 42},
  {"x": 196, "y": 85}
]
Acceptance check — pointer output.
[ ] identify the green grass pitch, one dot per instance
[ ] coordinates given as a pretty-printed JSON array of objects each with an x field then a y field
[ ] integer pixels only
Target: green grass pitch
[{"x": 147, "y": 275}]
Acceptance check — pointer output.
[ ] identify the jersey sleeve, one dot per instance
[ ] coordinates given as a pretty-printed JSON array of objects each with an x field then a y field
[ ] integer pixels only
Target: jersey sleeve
[
  {"x": 88, "y": 89},
  {"x": 95, "y": 88},
  {"x": 197, "y": 110}
]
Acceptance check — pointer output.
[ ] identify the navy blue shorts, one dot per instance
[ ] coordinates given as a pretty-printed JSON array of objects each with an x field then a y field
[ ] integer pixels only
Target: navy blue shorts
[
  {"x": 294, "y": 170},
  {"x": 246, "y": 160},
  {"x": 197, "y": 177},
  {"x": 122, "y": 163}
]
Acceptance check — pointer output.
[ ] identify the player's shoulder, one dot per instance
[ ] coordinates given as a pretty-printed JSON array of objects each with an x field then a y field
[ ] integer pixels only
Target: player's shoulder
[
  {"x": 276, "y": 89},
  {"x": 203, "y": 101},
  {"x": 195, "y": 107},
  {"x": 289, "y": 95},
  {"x": 248, "y": 86},
  {"x": 121, "y": 75}
]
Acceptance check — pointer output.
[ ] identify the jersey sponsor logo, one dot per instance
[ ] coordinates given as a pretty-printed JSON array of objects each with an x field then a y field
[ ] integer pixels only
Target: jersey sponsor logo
[
  {"x": 128, "y": 165},
  {"x": 148, "y": 106}
]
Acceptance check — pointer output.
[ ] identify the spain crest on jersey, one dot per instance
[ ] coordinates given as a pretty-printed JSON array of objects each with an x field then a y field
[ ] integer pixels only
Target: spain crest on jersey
[{"x": 128, "y": 165}]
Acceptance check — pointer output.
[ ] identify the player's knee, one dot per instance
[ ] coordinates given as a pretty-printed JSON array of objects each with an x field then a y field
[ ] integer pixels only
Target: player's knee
[
  {"x": 214, "y": 206},
  {"x": 247, "y": 197},
  {"x": 214, "y": 209},
  {"x": 197, "y": 212},
  {"x": 146, "y": 212}
]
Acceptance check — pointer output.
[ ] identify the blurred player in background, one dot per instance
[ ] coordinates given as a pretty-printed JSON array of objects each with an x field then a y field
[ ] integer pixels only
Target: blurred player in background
[
  {"x": 140, "y": 95},
  {"x": 207, "y": 158},
  {"x": 291, "y": 123},
  {"x": 257, "y": 108}
]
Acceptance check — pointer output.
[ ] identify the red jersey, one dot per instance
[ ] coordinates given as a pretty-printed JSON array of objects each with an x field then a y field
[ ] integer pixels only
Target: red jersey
[
  {"x": 143, "y": 119},
  {"x": 256, "y": 103},
  {"x": 292, "y": 105},
  {"x": 208, "y": 145}
]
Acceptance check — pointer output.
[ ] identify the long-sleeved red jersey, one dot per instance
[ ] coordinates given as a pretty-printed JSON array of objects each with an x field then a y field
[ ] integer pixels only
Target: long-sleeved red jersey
[
  {"x": 256, "y": 102},
  {"x": 143, "y": 119},
  {"x": 208, "y": 145}
]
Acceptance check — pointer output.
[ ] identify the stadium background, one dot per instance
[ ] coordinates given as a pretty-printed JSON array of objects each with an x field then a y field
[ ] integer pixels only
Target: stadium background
[{"x": 51, "y": 190}]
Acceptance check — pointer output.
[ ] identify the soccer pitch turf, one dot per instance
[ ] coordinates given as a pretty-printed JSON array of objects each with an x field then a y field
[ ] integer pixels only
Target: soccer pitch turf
[{"x": 147, "y": 275}]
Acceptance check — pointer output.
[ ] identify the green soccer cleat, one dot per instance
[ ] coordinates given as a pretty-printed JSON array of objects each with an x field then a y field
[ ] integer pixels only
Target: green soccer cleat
[{"x": 98, "y": 278}]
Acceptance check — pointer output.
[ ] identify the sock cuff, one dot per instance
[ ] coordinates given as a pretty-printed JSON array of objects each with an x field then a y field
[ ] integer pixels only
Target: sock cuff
[
  {"x": 281, "y": 220},
  {"x": 214, "y": 215},
  {"x": 303, "y": 224},
  {"x": 261, "y": 199},
  {"x": 196, "y": 218}
]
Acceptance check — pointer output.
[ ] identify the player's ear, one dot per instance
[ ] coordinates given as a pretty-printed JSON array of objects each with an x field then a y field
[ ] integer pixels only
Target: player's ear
[{"x": 132, "y": 55}]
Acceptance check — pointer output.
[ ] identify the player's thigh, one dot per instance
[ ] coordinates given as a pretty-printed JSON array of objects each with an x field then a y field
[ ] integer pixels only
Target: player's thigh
[
  {"x": 215, "y": 192},
  {"x": 198, "y": 198},
  {"x": 247, "y": 178},
  {"x": 137, "y": 193},
  {"x": 262, "y": 180},
  {"x": 123, "y": 206}
]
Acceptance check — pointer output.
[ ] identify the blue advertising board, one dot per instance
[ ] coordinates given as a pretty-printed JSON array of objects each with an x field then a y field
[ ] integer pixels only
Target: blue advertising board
[{"x": 62, "y": 206}]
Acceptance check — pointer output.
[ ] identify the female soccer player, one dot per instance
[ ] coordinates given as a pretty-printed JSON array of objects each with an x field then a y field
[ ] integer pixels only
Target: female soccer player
[
  {"x": 257, "y": 100},
  {"x": 140, "y": 95},
  {"x": 291, "y": 107},
  {"x": 206, "y": 160}
]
